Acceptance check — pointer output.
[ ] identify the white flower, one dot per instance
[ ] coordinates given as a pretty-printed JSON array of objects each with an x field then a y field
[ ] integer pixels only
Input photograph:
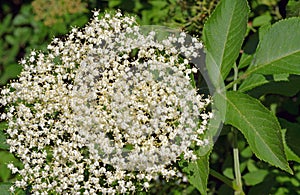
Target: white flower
[{"x": 108, "y": 106}]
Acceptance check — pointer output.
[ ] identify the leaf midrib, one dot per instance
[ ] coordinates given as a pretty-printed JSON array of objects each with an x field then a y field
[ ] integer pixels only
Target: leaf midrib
[
  {"x": 257, "y": 66},
  {"x": 226, "y": 39},
  {"x": 252, "y": 127},
  {"x": 227, "y": 35}
]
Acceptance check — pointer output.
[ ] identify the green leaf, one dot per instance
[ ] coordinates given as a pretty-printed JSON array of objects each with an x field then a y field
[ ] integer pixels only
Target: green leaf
[
  {"x": 290, "y": 155},
  {"x": 3, "y": 144},
  {"x": 252, "y": 82},
  {"x": 251, "y": 44},
  {"x": 5, "y": 24},
  {"x": 6, "y": 158},
  {"x": 262, "y": 30},
  {"x": 247, "y": 153},
  {"x": 259, "y": 126},
  {"x": 255, "y": 177},
  {"x": 80, "y": 20},
  {"x": 10, "y": 55},
  {"x": 245, "y": 60},
  {"x": 11, "y": 71},
  {"x": 265, "y": 187},
  {"x": 225, "y": 189},
  {"x": 279, "y": 50},
  {"x": 22, "y": 34},
  {"x": 215, "y": 124},
  {"x": 3, "y": 126},
  {"x": 4, "y": 188},
  {"x": 157, "y": 12},
  {"x": 286, "y": 88},
  {"x": 21, "y": 192},
  {"x": 197, "y": 172},
  {"x": 293, "y": 8},
  {"x": 10, "y": 39},
  {"x": 224, "y": 33},
  {"x": 292, "y": 137},
  {"x": 114, "y": 4},
  {"x": 281, "y": 77},
  {"x": 251, "y": 165},
  {"x": 20, "y": 19},
  {"x": 262, "y": 20},
  {"x": 59, "y": 28}
]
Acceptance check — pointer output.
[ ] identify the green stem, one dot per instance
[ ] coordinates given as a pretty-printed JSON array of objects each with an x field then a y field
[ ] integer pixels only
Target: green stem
[
  {"x": 237, "y": 80},
  {"x": 222, "y": 178},
  {"x": 237, "y": 172},
  {"x": 233, "y": 83},
  {"x": 235, "y": 77}
]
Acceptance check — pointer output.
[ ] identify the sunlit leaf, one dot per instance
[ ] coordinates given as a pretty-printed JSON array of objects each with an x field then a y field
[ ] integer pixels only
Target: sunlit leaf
[
  {"x": 279, "y": 50},
  {"x": 197, "y": 173},
  {"x": 255, "y": 177},
  {"x": 259, "y": 126},
  {"x": 224, "y": 33},
  {"x": 253, "y": 81}
]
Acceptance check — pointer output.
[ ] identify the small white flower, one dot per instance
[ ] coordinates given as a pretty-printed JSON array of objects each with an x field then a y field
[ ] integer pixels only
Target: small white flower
[
  {"x": 96, "y": 13},
  {"x": 146, "y": 185},
  {"x": 32, "y": 59},
  {"x": 110, "y": 101}
]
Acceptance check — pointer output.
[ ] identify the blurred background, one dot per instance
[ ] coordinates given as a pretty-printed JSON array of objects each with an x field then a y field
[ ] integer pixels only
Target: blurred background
[{"x": 27, "y": 25}]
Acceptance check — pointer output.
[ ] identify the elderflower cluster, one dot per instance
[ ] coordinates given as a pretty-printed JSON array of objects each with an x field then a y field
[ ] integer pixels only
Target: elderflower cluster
[{"x": 107, "y": 110}]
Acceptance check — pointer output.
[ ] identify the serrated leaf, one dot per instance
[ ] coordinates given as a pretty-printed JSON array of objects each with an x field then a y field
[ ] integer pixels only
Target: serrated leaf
[
  {"x": 290, "y": 155},
  {"x": 292, "y": 135},
  {"x": 197, "y": 172},
  {"x": 285, "y": 88},
  {"x": 259, "y": 126},
  {"x": 279, "y": 50},
  {"x": 262, "y": 30},
  {"x": 253, "y": 81},
  {"x": 224, "y": 32}
]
